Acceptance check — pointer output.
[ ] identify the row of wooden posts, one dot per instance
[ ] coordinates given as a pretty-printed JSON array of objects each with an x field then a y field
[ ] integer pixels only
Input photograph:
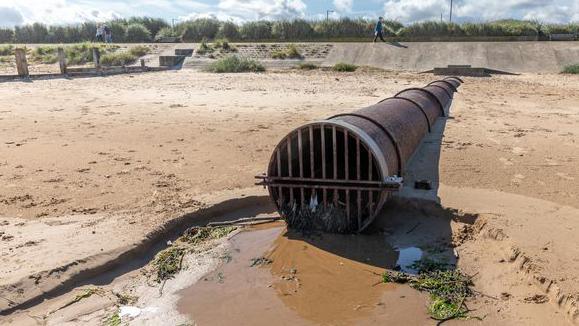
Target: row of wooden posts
[{"x": 22, "y": 63}]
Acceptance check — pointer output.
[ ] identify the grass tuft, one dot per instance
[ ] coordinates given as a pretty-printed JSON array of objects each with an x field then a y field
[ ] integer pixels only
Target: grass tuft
[
  {"x": 118, "y": 59},
  {"x": 224, "y": 45},
  {"x": 344, "y": 67},
  {"x": 204, "y": 48},
  {"x": 290, "y": 52},
  {"x": 308, "y": 66},
  {"x": 235, "y": 64},
  {"x": 6, "y": 50},
  {"x": 114, "y": 320},
  {"x": 139, "y": 50},
  {"x": 571, "y": 69}
]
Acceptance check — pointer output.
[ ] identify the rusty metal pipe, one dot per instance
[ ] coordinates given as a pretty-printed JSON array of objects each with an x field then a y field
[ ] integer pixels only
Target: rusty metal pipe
[{"x": 352, "y": 162}]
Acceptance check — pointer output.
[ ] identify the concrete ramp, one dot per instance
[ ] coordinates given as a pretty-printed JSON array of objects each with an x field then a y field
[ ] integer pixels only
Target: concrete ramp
[{"x": 514, "y": 57}]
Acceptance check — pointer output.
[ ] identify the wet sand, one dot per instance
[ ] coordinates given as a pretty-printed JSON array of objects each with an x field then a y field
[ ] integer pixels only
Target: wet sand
[{"x": 303, "y": 284}]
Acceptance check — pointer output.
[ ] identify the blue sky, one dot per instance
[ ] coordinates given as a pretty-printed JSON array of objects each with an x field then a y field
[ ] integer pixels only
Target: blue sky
[{"x": 17, "y": 12}]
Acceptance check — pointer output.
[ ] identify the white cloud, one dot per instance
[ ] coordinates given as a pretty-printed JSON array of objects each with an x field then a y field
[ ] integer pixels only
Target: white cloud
[
  {"x": 57, "y": 12},
  {"x": 483, "y": 10},
  {"x": 262, "y": 9},
  {"x": 343, "y": 5},
  {"x": 10, "y": 17}
]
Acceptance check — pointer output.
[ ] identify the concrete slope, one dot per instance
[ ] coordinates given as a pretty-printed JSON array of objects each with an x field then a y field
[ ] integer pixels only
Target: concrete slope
[{"x": 419, "y": 56}]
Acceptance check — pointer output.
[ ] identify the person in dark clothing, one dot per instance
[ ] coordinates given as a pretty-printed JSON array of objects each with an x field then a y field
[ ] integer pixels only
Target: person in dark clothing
[{"x": 379, "y": 30}]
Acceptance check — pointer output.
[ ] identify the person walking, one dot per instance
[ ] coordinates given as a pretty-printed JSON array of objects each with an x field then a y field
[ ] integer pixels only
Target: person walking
[
  {"x": 379, "y": 30},
  {"x": 100, "y": 34},
  {"x": 108, "y": 34}
]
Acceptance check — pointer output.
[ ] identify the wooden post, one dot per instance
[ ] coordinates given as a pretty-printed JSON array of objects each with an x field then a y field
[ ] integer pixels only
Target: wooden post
[
  {"x": 62, "y": 61},
  {"x": 142, "y": 63},
  {"x": 21, "y": 64},
  {"x": 96, "y": 57}
]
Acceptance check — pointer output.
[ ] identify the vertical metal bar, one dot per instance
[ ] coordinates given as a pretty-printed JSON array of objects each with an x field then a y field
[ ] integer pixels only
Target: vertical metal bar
[
  {"x": 358, "y": 177},
  {"x": 301, "y": 162},
  {"x": 346, "y": 156},
  {"x": 348, "y": 205},
  {"x": 279, "y": 174},
  {"x": 278, "y": 158},
  {"x": 289, "y": 156},
  {"x": 370, "y": 193},
  {"x": 325, "y": 193},
  {"x": 335, "y": 152},
  {"x": 359, "y": 205},
  {"x": 335, "y": 162},
  {"x": 312, "y": 160},
  {"x": 301, "y": 154},
  {"x": 358, "y": 158},
  {"x": 290, "y": 167},
  {"x": 370, "y": 159}
]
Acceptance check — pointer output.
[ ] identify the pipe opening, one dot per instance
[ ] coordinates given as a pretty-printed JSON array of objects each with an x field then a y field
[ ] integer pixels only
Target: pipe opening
[{"x": 323, "y": 176}]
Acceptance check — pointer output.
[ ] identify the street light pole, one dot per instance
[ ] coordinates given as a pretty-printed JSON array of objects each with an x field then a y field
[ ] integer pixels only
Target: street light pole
[
  {"x": 451, "y": 11},
  {"x": 328, "y": 15}
]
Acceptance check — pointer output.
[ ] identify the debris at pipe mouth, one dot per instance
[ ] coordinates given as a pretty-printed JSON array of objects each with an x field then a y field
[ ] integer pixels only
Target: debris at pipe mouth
[{"x": 336, "y": 174}]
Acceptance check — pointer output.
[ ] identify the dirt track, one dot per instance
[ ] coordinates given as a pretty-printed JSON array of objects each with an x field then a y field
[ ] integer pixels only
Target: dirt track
[{"x": 90, "y": 165}]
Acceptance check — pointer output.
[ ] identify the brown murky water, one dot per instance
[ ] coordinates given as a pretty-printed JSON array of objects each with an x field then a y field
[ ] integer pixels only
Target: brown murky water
[{"x": 314, "y": 280}]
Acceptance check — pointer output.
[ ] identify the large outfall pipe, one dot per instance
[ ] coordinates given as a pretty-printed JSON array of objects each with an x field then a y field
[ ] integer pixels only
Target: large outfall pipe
[{"x": 336, "y": 174}]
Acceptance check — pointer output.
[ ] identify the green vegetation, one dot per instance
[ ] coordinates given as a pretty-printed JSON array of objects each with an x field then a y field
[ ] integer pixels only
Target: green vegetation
[
  {"x": 572, "y": 69},
  {"x": 224, "y": 46},
  {"x": 344, "y": 67},
  {"x": 118, "y": 59},
  {"x": 345, "y": 29},
  {"x": 76, "y": 54},
  {"x": 199, "y": 235},
  {"x": 307, "y": 66},
  {"x": 85, "y": 294},
  {"x": 169, "y": 262},
  {"x": 448, "y": 288},
  {"x": 290, "y": 52},
  {"x": 6, "y": 50},
  {"x": 139, "y": 50},
  {"x": 234, "y": 63},
  {"x": 204, "y": 48},
  {"x": 114, "y": 320},
  {"x": 126, "y": 299}
]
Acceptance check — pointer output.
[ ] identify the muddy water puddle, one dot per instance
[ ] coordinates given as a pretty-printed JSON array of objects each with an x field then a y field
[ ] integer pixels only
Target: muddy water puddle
[{"x": 277, "y": 277}]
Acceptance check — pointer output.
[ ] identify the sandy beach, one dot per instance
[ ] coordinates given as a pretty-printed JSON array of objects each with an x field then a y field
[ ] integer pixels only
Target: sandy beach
[{"x": 90, "y": 167}]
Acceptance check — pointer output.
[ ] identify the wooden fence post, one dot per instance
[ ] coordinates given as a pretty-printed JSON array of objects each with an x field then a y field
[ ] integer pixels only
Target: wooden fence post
[
  {"x": 142, "y": 63},
  {"x": 96, "y": 57},
  {"x": 21, "y": 64},
  {"x": 62, "y": 61}
]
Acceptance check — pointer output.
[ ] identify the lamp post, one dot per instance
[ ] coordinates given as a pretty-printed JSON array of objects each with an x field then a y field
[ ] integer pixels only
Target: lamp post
[
  {"x": 451, "y": 11},
  {"x": 328, "y": 15}
]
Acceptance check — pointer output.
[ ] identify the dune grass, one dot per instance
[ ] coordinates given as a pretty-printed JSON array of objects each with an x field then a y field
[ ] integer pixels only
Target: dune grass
[
  {"x": 118, "y": 59},
  {"x": 139, "y": 50},
  {"x": 76, "y": 54},
  {"x": 344, "y": 67},
  {"x": 235, "y": 64},
  {"x": 571, "y": 69},
  {"x": 7, "y": 49},
  {"x": 308, "y": 66},
  {"x": 290, "y": 52}
]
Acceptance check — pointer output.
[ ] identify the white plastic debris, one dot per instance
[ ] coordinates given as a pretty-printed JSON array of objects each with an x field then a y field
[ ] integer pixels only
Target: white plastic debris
[{"x": 129, "y": 311}]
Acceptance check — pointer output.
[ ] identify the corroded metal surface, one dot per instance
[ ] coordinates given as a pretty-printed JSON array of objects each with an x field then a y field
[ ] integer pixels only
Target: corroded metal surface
[{"x": 340, "y": 171}]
